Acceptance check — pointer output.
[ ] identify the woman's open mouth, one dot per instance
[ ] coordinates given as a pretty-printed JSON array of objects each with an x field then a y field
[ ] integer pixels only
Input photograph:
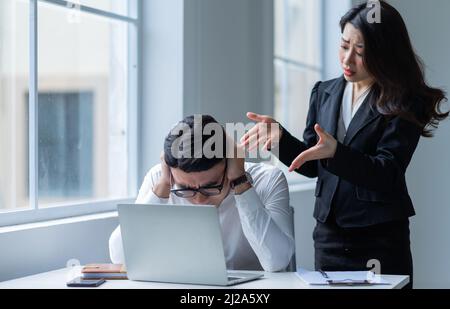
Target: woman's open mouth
[{"x": 348, "y": 73}]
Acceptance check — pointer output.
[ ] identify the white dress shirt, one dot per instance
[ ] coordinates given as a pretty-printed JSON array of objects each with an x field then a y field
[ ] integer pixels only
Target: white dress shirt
[
  {"x": 257, "y": 226},
  {"x": 349, "y": 110}
]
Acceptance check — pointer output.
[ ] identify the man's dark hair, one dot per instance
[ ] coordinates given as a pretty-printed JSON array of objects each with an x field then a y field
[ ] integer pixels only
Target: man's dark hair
[{"x": 189, "y": 162}]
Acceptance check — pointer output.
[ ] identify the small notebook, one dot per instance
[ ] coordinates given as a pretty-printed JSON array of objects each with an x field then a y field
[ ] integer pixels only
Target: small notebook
[
  {"x": 347, "y": 278},
  {"x": 104, "y": 271}
]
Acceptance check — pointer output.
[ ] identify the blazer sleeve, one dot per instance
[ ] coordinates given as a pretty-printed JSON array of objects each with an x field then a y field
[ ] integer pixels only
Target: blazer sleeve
[
  {"x": 290, "y": 147},
  {"x": 385, "y": 170}
]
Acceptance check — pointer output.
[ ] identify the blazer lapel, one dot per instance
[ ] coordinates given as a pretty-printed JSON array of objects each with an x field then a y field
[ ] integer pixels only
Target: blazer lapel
[
  {"x": 365, "y": 115},
  {"x": 331, "y": 108}
]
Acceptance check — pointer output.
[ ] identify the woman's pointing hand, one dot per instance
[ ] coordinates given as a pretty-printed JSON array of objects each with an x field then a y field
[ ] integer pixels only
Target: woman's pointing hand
[{"x": 265, "y": 133}]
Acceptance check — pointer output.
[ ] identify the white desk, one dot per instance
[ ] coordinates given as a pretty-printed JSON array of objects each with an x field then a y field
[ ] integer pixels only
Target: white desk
[{"x": 57, "y": 280}]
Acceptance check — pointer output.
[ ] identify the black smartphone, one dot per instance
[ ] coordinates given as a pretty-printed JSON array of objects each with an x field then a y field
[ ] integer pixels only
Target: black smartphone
[{"x": 84, "y": 283}]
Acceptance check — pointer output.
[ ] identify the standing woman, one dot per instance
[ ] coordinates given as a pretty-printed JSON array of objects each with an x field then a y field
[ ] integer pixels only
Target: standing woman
[{"x": 362, "y": 131}]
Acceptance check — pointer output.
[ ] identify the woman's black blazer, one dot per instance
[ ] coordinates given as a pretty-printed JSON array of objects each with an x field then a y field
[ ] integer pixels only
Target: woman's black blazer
[{"x": 364, "y": 184}]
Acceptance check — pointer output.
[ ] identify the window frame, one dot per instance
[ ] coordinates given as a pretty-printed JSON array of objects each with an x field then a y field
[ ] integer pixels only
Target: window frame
[
  {"x": 33, "y": 213},
  {"x": 295, "y": 179}
]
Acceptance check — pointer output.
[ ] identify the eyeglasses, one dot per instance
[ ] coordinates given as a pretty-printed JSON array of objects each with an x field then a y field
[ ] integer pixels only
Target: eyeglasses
[{"x": 206, "y": 191}]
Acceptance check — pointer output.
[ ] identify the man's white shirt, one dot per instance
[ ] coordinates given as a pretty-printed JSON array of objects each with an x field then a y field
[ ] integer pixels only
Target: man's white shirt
[{"x": 257, "y": 226}]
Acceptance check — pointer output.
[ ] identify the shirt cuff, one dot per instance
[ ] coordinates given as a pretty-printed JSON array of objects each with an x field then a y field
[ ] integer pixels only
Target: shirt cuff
[{"x": 248, "y": 202}]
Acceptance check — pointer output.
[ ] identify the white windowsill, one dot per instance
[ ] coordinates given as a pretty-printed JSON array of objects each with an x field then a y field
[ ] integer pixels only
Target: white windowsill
[
  {"x": 71, "y": 220},
  {"x": 30, "y": 216}
]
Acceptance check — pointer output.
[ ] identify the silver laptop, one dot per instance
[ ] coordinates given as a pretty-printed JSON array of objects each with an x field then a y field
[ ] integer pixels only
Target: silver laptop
[{"x": 176, "y": 244}]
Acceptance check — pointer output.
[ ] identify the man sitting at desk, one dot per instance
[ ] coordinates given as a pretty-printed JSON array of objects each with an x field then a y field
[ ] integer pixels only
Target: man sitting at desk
[{"x": 252, "y": 199}]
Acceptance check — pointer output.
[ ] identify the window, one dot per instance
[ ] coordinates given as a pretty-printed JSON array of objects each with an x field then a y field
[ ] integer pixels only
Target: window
[
  {"x": 67, "y": 143},
  {"x": 298, "y": 63},
  {"x": 68, "y": 97}
]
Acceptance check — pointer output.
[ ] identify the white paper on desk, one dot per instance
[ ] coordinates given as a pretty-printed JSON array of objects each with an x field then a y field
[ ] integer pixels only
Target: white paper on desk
[{"x": 316, "y": 278}]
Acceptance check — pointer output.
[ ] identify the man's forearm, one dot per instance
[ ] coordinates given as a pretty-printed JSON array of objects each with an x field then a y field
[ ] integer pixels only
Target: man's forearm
[{"x": 271, "y": 244}]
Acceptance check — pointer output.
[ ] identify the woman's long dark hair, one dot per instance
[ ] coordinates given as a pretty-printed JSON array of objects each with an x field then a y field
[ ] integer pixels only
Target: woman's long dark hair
[{"x": 398, "y": 71}]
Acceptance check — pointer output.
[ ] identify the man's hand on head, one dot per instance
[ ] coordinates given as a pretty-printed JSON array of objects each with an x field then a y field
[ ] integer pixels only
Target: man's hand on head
[
  {"x": 162, "y": 188},
  {"x": 165, "y": 170}
]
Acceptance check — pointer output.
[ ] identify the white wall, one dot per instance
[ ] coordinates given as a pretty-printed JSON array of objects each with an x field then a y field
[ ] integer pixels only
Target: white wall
[
  {"x": 228, "y": 58},
  {"x": 162, "y": 76},
  {"x": 43, "y": 247}
]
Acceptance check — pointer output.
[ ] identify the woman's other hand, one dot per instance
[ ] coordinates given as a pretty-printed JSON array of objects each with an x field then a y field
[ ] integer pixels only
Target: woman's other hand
[{"x": 324, "y": 149}]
